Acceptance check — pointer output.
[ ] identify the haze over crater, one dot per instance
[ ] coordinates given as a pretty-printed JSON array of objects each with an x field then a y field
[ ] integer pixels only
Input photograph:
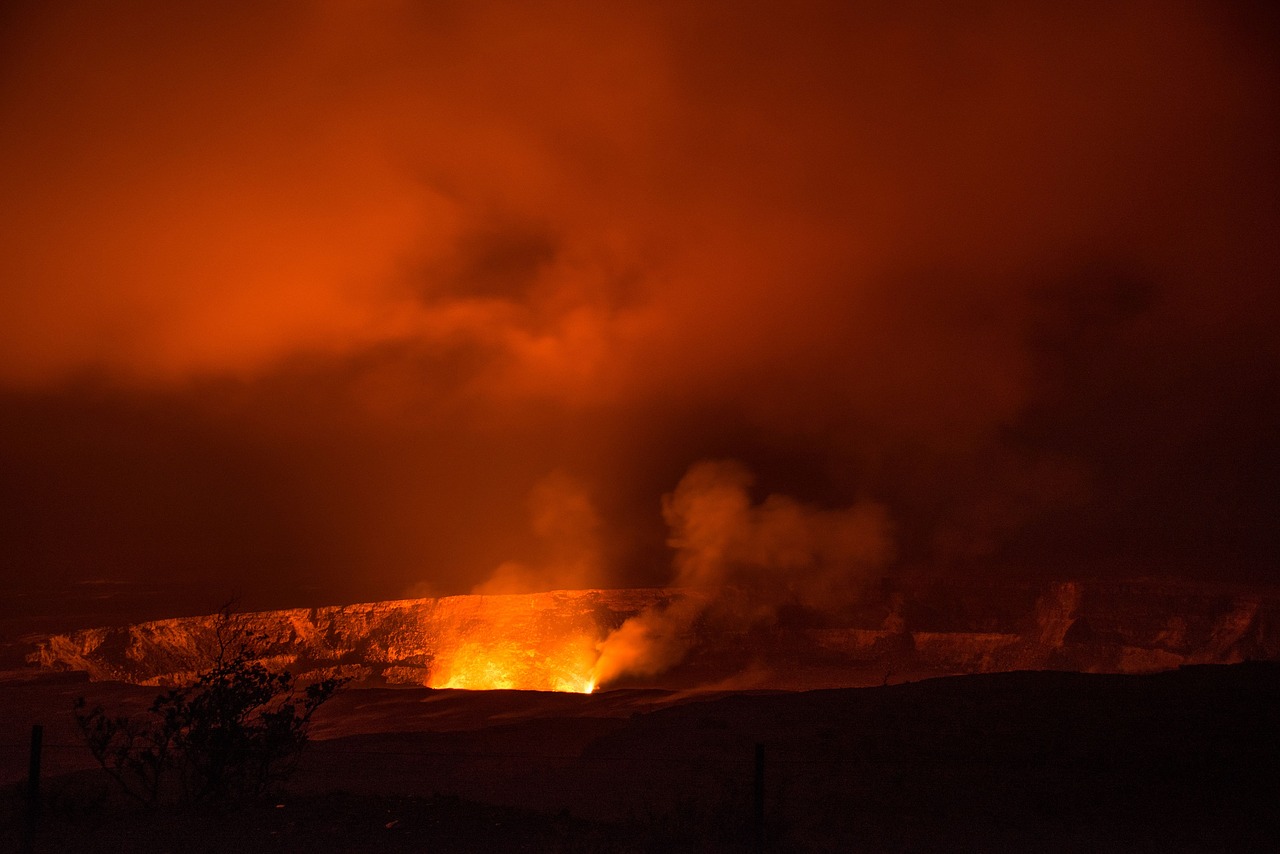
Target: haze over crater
[{"x": 331, "y": 302}]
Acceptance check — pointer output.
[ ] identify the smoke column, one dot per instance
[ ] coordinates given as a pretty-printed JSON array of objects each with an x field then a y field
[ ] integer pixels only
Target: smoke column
[{"x": 741, "y": 562}]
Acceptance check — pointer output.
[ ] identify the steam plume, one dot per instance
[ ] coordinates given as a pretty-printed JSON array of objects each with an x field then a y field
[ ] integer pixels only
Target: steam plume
[
  {"x": 308, "y": 298},
  {"x": 742, "y": 562},
  {"x": 565, "y": 521}
]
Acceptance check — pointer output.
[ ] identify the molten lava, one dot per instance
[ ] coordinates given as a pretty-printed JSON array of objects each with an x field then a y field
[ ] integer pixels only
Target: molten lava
[{"x": 496, "y": 661}]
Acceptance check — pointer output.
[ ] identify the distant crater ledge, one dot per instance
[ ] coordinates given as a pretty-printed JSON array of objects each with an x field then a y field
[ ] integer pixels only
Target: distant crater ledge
[{"x": 1108, "y": 627}]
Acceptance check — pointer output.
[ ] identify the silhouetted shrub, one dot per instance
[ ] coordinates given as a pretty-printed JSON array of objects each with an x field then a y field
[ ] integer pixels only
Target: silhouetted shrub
[{"x": 232, "y": 735}]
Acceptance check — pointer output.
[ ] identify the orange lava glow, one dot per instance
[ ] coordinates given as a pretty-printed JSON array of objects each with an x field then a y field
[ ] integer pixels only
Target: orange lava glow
[{"x": 515, "y": 664}]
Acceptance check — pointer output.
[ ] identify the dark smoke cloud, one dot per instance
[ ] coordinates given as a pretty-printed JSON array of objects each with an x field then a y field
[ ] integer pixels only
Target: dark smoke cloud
[{"x": 310, "y": 299}]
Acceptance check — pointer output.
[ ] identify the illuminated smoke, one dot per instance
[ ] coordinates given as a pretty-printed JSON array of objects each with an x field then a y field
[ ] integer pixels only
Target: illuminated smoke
[
  {"x": 565, "y": 520},
  {"x": 305, "y": 299},
  {"x": 741, "y": 562}
]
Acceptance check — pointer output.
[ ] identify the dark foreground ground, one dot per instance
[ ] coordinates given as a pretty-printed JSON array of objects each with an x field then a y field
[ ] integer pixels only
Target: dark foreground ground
[{"x": 1032, "y": 761}]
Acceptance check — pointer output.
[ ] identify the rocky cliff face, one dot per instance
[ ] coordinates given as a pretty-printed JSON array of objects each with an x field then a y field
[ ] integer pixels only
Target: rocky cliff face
[
  {"x": 409, "y": 641},
  {"x": 547, "y": 640}
]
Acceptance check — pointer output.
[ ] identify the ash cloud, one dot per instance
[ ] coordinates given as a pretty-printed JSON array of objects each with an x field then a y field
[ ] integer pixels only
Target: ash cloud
[{"x": 314, "y": 297}]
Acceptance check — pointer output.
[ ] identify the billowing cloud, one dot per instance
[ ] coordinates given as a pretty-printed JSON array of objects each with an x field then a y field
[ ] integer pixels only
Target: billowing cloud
[
  {"x": 563, "y": 517},
  {"x": 742, "y": 563},
  {"x": 784, "y": 549},
  {"x": 1005, "y": 271}
]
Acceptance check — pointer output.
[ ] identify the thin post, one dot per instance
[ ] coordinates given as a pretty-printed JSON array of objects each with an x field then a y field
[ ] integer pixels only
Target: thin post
[
  {"x": 758, "y": 799},
  {"x": 33, "y": 786}
]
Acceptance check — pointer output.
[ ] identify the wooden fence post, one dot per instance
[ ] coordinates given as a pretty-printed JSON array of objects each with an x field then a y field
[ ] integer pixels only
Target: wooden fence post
[
  {"x": 758, "y": 799},
  {"x": 33, "y": 788}
]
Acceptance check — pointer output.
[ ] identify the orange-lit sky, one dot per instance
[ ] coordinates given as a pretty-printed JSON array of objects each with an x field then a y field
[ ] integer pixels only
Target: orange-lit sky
[{"x": 347, "y": 300}]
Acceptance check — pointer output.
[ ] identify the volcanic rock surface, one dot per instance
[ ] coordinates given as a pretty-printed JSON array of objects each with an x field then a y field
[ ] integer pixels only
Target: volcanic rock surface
[{"x": 547, "y": 641}]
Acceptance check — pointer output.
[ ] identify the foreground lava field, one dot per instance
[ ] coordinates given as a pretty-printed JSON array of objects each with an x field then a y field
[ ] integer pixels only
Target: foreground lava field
[{"x": 1034, "y": 761}]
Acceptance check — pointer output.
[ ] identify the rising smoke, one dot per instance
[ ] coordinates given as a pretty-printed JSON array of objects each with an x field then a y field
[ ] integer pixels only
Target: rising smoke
[
  {"x": 308, "y": 299},
  {"x": 567, "y": 525},
  {"x": 741, "y": 562}
]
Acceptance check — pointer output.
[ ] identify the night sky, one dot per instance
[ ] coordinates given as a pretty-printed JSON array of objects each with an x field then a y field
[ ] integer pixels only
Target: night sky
[{"x": 341, "y": 301}]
